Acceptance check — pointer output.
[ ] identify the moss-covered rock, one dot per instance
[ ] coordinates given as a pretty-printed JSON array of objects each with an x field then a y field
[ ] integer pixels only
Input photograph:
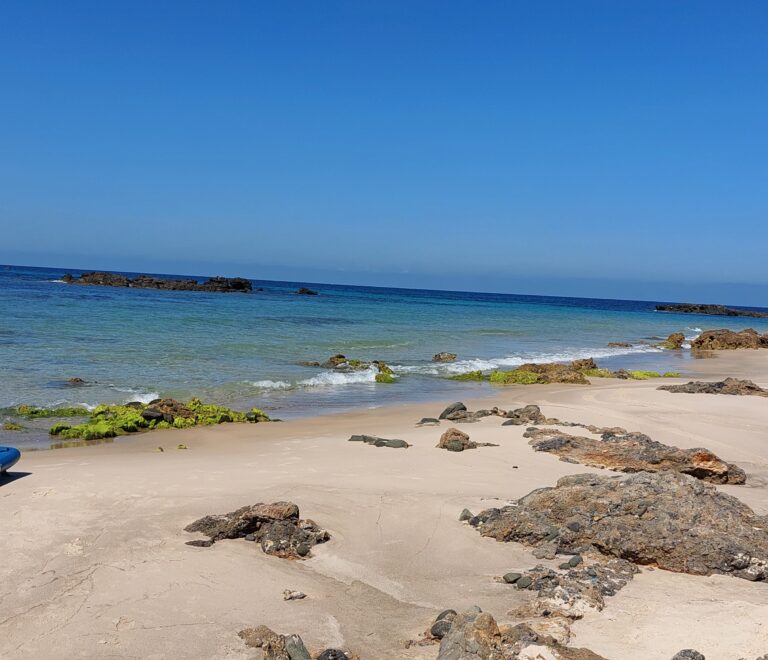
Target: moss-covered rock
[
  {"x": 672, "y": 374},
  {"x": 12, "y": 426},
  {"x": 470, "y": 375},
  {"x": 643, "y": 375},
  {"x": 33, "y": 411},
  {"x": 383, "y": 377},
  {"x": 517, "y": 377},
  {"x": 598, "y": 373}
]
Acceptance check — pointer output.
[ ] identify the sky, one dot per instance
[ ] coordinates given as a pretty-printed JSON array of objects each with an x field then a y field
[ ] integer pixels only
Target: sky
[{"x": 596, "y": 148}]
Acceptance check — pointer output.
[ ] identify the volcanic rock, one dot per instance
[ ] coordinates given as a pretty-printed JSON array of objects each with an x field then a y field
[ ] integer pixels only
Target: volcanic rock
[
  {"x": 276, "y": 527},
  {"x": 212, "y": 285},
  {"x": 674, "y": 341},
  {"x": 733, "y": 386},
  {"x": 633, "y": 452},
  {"x": 619, "y": 344},
  {"x": 530, "y": 414},
  {"x": 454, "y": 407},
  {"x": 712, "y": 310},
  {"x": 719, "y": 340},
  {"x": 664, "y": 519}
]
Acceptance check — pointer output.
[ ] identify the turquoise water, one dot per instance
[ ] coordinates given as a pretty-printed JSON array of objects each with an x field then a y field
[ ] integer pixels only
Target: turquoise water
[{"x": 244, "y": 350}]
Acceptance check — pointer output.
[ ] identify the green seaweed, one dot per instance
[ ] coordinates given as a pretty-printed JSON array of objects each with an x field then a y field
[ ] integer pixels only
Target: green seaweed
[
  {"x": 385, "y": 377},
  {"x": 470, "y": 375},
  {"x": 643, "y": 375},
  {"x": 598, "y": 373},
  {"x": 12, "y": 426},
  {"x": 672, "y": 374},
  {"x": 516, "y": 376},
  {"x": 33, "y": 412}
]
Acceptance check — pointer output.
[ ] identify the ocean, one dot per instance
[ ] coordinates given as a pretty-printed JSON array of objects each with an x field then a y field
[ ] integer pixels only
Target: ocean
[{"x": 245, "y": 350}]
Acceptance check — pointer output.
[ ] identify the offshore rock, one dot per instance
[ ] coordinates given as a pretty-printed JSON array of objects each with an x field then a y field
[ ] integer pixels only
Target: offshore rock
[
  {"x": 212, "y": 285},
  {"x": 712, "y": 310},
  {"x": 635, "y": 452},
  {"x": 276, "y": 527},
  {"x": 444, "y": 357},
  {"x": 720, "y": 340},
  {"x": 664, "y": 519},
  {"x": 732, "y": 386}
]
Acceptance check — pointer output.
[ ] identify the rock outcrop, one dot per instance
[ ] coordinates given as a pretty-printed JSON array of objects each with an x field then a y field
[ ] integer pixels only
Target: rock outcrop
[
  {"x": 211, "y": 285},
  {"x": 380, "y": 442},
  {"x": 664, "y": 519},
  {"x": 530, "y": 414},
  {"x": 553, "y": 372},
  {"x": 712, "y": 310},
  {"x": 675, "y": 341},
  {"x": 455, "y": 440},
  {"x": 635, "y": 452},
  {"x": 732, "y": 386},
  {"x": 276, "y": 527},
  {"x": 444, "y": 357},
  {"x": 724, "y": 339}
]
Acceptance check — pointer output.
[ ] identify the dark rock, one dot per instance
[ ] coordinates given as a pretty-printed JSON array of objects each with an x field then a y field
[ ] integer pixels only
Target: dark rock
[
  {"x": 444, "y": 357},
  {"x": 619, "y": 344},
  {"x": 276, "y": 527},
  {"x": 454, "y": 407},
  {"x": 213, "y": 285},
  {"x": 466, "y": 514},
  {"x": 530, "y": 414},
  {"x": 455, "y": 440},
  {"x": 574, "y": 561},
  {"x": 674, "y": 341},
  {"x": 76, "y": 382},
  {"x": 633, "y": 452},
  {"x": 719, "y": 340},
  {"x": 440, "y": 628},
  {"x": 333, "y": 654},
  {"x": 304, "y": 291},
  {"x": 665, "y": 519},
  {"x": 473, "y": 636},
  {"x": 379, "y": 442},
  {"x": 688, "y": 654},
  {"x": 733, "y": 386},
  {"x": 712, "y": 310},
  {"x": 428, "y": 421},
  {"x": 511, "y": 578},
  {"x": 296, "y": 649},
  {"x": 151, "y": 414},
  {"x": 524, "y": 582},
  {"x": 446, "y": 614}
]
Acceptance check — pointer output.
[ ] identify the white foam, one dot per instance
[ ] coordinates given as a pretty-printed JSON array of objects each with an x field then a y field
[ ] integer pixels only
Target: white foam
[
  {"x": 341, "y": 378},
  {"x": 271, "y": 384}
]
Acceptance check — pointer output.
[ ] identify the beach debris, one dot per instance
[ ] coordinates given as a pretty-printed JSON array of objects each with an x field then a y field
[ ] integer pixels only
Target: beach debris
[
  {"x": 160, "y": 449},
  {"x": 211, "y": 285},
  {"x": 379, "y": 442},
  {"x": 674, "y": 342},
  {"x": 304, "y": 291},
  {"x": 111, "y": 420},
  {"x": 428, "y": 421},
  {"x": 665, "y": 519},
  {"x": 276, "y": 527},
  {"x": 633, "y": 452},
  {"x": 454, "y": 407},
  {"x": 713, "y": 310},
  {"x": 289, "y": 594},
  {"x": 724, "y": 339},
  {"x": 444, "y": 357},
  {"x": 733, "y": 386}
]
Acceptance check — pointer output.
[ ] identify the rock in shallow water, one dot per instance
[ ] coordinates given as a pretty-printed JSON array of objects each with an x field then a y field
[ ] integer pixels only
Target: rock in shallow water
[
  {"x": 276, "y": 527},
  {"x": 665, "y": 519}
]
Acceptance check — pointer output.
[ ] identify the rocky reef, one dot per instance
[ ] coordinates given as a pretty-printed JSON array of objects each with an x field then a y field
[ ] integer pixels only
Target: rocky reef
[
  {"x": 732, "y": 386},
  {"x": 634, "y": 452},
  {"x": 211, "y": 285},
  {"x": 724, "y": 340},
  {"x": 664, "y": 519},
  {"x": 276, "y": 527},
  {"x": 111, "y": 420},
  {"x": 711, "y": 310}
]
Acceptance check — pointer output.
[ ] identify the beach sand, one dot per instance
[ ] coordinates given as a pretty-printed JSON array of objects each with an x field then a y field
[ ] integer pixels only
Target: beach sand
[{"x": 94, "y": 562}]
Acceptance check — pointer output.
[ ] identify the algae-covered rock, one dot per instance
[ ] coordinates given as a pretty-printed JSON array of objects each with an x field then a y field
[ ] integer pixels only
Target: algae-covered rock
[
  {"x": 516, "y": 376},
  {"x": 444, "y": 357},
  {"x": 674, "y": 341},
  {"x": 469, "y": 376},
  {"x": 66, "y": 411},
  {"x": 12, "y": 426}
]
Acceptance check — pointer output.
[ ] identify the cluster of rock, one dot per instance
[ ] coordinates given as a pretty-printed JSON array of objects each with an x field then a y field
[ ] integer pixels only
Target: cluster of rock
[
  {"x": 634, "y": 452},
  {"x": 457, "y": 412},
  {"x": 276, "y": 527},
  {"x": 732, "y": 386},
  {"x": 380, "y": 442},
  {"x": 285, "y": 647},
  {"x": 724, "y": 339},
  {"x": 665, "y": 519},
  {"x": 712, "y": 310},
  {"x": 343, "y": 364},
  {"x": 211, "y": 285}
]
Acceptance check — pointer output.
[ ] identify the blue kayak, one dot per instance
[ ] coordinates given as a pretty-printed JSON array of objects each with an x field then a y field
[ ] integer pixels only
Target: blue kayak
[{"x": 8, "y": 458}]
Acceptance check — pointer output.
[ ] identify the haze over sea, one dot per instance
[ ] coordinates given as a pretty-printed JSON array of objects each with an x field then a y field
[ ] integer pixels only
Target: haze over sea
[{"x": 245, "y": 350}]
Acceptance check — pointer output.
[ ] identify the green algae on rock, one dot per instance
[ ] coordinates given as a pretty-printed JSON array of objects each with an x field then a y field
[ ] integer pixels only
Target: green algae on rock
[
  {"x": 12, "y": 426},
  {"x": 109, "y": 421},
  {"x": 470, "y": 375},
  {"x": 32, "y": 411},
  {"x": 517, "y": 376}
]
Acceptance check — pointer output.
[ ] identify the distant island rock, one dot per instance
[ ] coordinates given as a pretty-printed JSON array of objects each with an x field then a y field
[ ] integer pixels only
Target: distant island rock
[
  {"x": 213, "y": 284},
  {"x": 712, "y": 310},
  {"x": 304, "y": 291}
]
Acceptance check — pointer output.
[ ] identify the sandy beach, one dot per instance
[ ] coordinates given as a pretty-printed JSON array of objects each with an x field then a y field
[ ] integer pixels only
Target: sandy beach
[{"x": 94, "y": 561}]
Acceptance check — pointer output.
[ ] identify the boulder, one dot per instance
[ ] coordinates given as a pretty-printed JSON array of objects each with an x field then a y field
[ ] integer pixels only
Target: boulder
[
  {"x": 454, "y": 407},
  {"x": 665, "y": 519},
  {"x": 455, "y": 440},
  {"x": 273, "y": 645},
  {"x": 674, "y": 341},
  {"x": 444, "y": 357},
  {"x": 530, "y": 414},
  {"x": 720, "y": 340},
  {"x": 633, "y": 452},
  {"x": 732, "y": 386},
  {"x": 276, "y": 527}
]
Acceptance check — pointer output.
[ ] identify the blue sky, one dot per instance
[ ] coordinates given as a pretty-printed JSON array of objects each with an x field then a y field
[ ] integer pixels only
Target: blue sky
[{"x": 584, "y": 148}]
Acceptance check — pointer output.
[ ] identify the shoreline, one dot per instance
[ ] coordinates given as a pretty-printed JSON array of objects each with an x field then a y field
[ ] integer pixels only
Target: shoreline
[{"x": 92, "y": 522}]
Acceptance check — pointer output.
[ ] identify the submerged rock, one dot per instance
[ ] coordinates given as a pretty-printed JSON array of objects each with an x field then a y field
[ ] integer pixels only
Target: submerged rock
[
  {"x": 211, "y": 285},
  {"x": 444, "y": 357},
  {"x": 276, "y": 527},
  {"x": 619, "y": 344},
  {"x": 634, "y": 452},
  {"x": 664, "y": 519},
  {"x": 379, "y": 442},
  {"x": 732, "y": 386},
  {"x": 719, "y": 340}
]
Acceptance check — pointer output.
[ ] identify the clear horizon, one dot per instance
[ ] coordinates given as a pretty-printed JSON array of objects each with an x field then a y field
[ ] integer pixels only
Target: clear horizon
[{"x": 591, "y": 149}]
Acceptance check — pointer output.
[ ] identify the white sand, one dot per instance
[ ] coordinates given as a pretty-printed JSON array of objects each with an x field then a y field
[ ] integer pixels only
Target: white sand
[{"x": 93, "y": 561}]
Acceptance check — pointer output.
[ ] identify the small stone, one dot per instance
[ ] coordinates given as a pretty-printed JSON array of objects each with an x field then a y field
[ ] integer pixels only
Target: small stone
[
  {"x": 511, "y": 578},
  {"x": 564, "y": 566},
  {"x": 688, "y": 654},
  {"x": 288, "y": 594},
  {"x": 574, "y": 561},
  {"x": 466, "y": 514},
  {"x": 333, "y": 654},
  {"x": 440, "y": 628},
  {"x": 446, "y": 614},
  {"x": 524, "y": 582},
  {"x": 296, "y": 649},
  {"x": 428, "y": 421}
]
